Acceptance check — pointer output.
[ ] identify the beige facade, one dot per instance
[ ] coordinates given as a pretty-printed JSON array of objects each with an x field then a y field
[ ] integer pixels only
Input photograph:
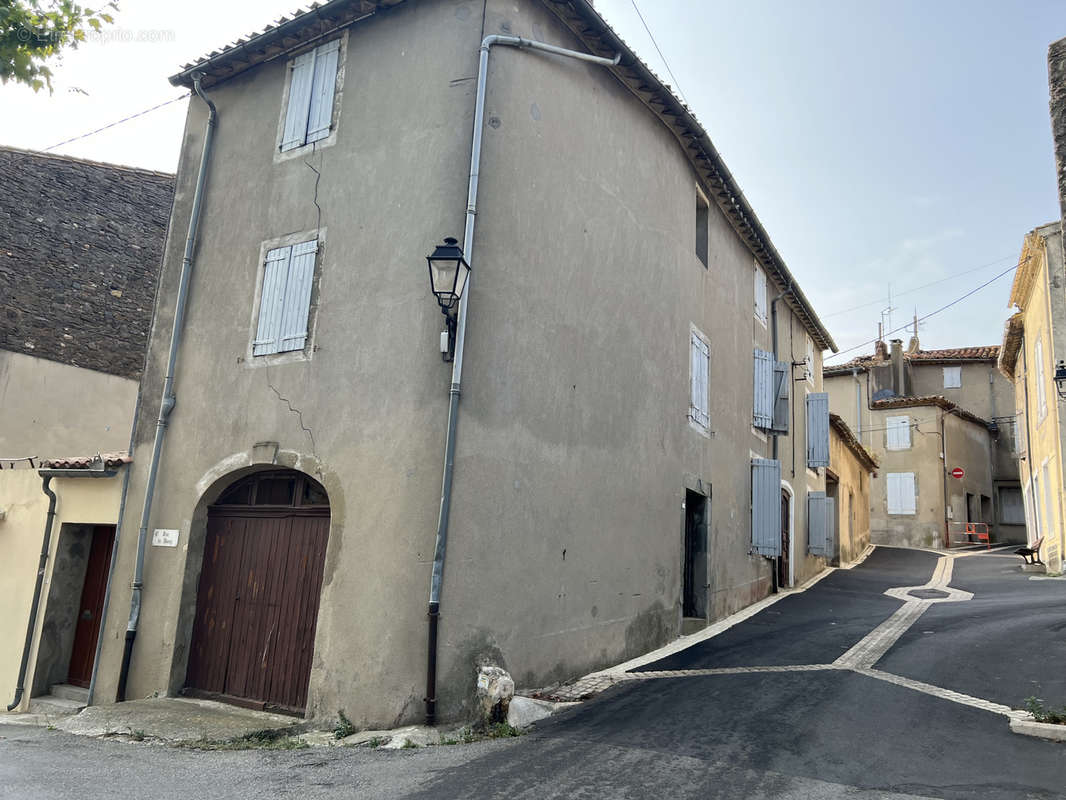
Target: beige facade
[
  {"x": 81, "y": 504},
  {"x": 52, "y": 409},
  {"x": 578, "y": 461},
  {"x": 848, "y": 484},
  {"x": 922, "y": 414},
  {"x": 1034, "y": 342}
]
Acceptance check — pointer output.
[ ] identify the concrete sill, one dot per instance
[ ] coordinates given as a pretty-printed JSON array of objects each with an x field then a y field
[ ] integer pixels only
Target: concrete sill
[{"x": 1027, "y": 726}]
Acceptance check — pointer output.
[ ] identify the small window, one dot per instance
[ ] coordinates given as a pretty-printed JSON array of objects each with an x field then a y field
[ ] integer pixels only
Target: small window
[
  {"x": 952, "y": 377},
  {"x": 700, "y": 361},
  {"x": 285, "y": 299},
  {"x": 703, "y": 214},
  {"x": 899, "y": 490},
  {"x": 760, "y": 294},
  {"x": 312, "y": 84},
  {"x": 897, "y": 433}
]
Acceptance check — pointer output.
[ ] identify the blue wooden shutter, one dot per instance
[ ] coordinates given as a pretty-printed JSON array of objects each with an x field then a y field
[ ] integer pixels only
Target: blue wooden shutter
[
  {"x": 322, "y": 87},
  {"x": 297, "y": 302},
  {"x": 295, "y": 133},
  {"x": 831, "y": 544},
  {"x": 766, "y": 506},
  {"x": 818, "y": 430},
  {"x": 782, "y": 385},
  {"x": 271, "y": 302},
  {"x": 699, "y": 405},
  {"x": 763, "y": 407},
  {"x": 817, "y": 524}
]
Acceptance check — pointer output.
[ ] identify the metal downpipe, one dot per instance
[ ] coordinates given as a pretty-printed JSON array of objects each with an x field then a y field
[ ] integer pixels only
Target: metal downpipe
[
  {"x": 168, "y": 400},
  {"x": 35, "y": 606},
  {"x": 441, "y": 546}
]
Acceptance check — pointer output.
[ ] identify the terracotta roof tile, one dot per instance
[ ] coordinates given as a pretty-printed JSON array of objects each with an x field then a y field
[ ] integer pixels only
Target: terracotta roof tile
[
  {"x": 110, "y": 460},
  {"x": 950, "y": 354}
]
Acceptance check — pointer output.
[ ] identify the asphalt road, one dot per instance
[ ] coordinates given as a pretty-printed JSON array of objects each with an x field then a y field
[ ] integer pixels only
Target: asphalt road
[{"x": 827, "y": 733}]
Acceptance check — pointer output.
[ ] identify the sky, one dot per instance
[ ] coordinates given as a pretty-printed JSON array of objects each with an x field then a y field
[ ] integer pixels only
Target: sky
[{"x": 890, "y": 148}]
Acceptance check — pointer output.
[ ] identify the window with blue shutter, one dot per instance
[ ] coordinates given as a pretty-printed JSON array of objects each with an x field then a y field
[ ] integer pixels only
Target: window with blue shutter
[
  {"x": 766, "y": 506},
  {"x": 782, "y": 386},
  {"x": 817, "y": 524},
  {"x": 817, "y": 430},
  {"x": 309, "y": 112},
  {"x": 699, "y": 402},
  {"x": 763, "y": 406},
  {"x": 285, "y": 299}
]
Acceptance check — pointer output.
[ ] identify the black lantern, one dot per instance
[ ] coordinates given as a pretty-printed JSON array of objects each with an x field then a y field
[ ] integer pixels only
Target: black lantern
[
  {"x": 1060, "y": 379},
  {"x": 448, "y": 272}
]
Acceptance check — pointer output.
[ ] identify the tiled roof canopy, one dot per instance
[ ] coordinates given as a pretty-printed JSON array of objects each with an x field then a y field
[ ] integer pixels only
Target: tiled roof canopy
[
  {"x": 80, "y": 247},
  {"x": 931, "y": 400},
  {"x": 100, "y": 461},
  {"x": 600, "y": 39},
  {"x": 951, "y": 355}
]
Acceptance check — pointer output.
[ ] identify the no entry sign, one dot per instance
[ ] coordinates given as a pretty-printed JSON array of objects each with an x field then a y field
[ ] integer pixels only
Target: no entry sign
[{"x": 958, "y": 472}]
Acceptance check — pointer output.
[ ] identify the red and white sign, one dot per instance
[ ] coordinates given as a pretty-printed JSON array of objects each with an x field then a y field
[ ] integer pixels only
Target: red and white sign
[{"x": 958, "y": 472}]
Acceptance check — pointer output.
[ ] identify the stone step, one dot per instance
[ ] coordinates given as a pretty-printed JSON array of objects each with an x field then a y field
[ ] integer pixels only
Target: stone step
[
  {"x": 692, "y": 624},
  {"x": 68, "y": 692},
  {"x": 51, "y": 706}
]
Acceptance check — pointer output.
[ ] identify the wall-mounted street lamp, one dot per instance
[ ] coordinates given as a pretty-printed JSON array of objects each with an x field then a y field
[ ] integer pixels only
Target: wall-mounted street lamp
[
  {"x": 1060, "y": 379},
  {"x": 448, "y": 272}
]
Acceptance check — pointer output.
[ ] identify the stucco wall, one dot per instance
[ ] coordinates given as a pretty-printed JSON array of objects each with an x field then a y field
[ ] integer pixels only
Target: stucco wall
[
  {"x": 79, "y": 501},
  {"x": 52, "y": 409},
  {"x": 1043, "y": 313},
  {"x": 574, "y": 449},
  {"x": 984, "y": 391},
  {"x": 852, "y": 496}
]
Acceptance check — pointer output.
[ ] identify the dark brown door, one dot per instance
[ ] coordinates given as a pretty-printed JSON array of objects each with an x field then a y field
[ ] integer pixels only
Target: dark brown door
[
  {"x": 782, "y": 563},
  {"x": 257, "y": 604},
  {"x": 87, "y": 629}
]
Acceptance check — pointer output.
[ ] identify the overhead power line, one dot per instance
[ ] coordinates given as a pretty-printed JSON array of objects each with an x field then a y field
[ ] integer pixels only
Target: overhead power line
[
  {"x": 918, "y": 288},
  {"x": 666, "y": 64},
  {"x": 113, "y": 124},
  {"x": 943, "y": 308}
]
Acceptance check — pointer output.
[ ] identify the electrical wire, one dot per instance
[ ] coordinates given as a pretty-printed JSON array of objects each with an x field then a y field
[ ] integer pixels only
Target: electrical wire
[
  {"x": 943, "y": 308},
  {"x": 113, "y": 124},
  {"x": 660, "y": 52},
  {"x": 918, "y": 288}
]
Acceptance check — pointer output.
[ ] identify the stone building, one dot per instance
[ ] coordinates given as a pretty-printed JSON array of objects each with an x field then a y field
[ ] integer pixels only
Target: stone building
[
  {"x": 80, "y": 247},
  {"x": 923, "y": 414},
  {"x": 641, "y": 428}
]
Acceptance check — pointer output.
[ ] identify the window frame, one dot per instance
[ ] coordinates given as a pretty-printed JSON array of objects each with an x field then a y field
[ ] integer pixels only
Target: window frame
[
  {"x": 895, "y": 424},
  {"x": 703, "y": 426},
  {"x": 335, "y": 116},
  {"x": 286, "y": 356},
  {"x": 703, "y": 228},
  {"x": 760, "y": 301},
  {"x": 888, "y": 494},
  {"x": 955, "y": 371},
  {"x": 1039, "y": 378}
]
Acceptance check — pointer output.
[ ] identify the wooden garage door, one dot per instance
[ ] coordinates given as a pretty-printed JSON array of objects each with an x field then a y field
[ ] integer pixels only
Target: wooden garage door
[{"x": 257, "y": 604}]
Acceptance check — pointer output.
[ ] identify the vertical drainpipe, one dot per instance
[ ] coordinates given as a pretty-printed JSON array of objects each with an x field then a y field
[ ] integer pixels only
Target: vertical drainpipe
[
  {"x": 35, "y": 606},
  {"x": 168, "y": 401},
  {"x": 441, "y": 545},
  {"x": 788, "y": 376},
  {"x": 944, "y": 455}
]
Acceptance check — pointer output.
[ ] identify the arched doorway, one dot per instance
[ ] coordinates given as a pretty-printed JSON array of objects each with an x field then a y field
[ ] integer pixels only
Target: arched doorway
[{"x": 257, "y": 601}]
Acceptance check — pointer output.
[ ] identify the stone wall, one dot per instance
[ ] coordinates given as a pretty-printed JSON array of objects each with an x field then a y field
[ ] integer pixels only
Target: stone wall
[{"x": 80, "y": 246}]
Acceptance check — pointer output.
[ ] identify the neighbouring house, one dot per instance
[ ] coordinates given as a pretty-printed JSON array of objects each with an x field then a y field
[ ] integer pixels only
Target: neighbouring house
[
  {"x": 940, "y": 424},
  {"x": 851, "y": 468},
  {"x": 80, "y": 247},
  {"x": 642, "y": 425},
  {"x": 1034, "y": 341}
]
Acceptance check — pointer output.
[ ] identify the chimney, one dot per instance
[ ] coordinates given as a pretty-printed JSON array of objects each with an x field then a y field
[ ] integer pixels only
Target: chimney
[
  {"x": 880, "y": 351},
  {"x": 898, "y": 382}
]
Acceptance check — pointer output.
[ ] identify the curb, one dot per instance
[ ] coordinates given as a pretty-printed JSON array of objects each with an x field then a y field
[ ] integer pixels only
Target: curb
[{"x": 1027, "y": 726}]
